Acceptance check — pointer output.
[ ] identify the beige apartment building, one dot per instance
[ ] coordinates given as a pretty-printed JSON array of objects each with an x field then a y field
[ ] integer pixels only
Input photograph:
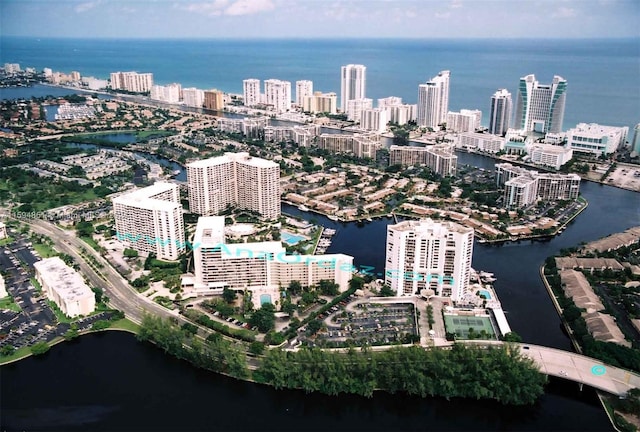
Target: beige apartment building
[
  {"x": 237, "y": 180},
  {"x": 440, "y": 158}
]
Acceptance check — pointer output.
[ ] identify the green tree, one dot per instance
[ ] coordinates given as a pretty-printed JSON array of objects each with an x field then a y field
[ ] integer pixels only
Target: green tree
[
  {"x": 84, "y": 229},
  {"x": 314, "y": 327},
  {"x": 7, "y": 350},
  {"x": 256, "y": 348},
  {"x": 294, "y": 287},
  {"x": 512, "y": 337},
  {"x": 130, "y": 253},
  {"x": 100, "y": 325},
  {"x": 72, "y": 333},
  {"x": 386, "y": 291},
  {"x": 39, "y": 348},
  {"x": 228, "y": 295},
  {"x": 264, "y": 318}
]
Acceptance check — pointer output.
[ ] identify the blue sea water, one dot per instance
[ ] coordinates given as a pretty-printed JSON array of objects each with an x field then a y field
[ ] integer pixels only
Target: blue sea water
[{"x": 602, "y": 74}]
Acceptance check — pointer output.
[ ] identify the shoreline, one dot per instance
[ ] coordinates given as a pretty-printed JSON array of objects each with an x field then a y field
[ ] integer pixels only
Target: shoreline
[{"x": 58, "y": 340}]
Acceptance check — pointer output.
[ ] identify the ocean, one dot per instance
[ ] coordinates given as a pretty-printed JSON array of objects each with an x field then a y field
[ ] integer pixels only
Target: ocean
[{"x": 602, "y": 74}]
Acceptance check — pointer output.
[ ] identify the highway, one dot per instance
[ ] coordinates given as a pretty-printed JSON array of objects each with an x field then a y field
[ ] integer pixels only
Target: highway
[{"x": 121, "y": 295}]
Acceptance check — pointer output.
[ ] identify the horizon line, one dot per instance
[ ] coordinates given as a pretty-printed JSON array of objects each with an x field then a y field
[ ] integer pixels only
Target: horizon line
[{"x": 327, "y": 38}]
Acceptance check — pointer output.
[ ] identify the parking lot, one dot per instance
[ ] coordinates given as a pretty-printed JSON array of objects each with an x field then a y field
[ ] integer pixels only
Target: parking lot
[
  {"x": 368, "y": 324},
  {"x": 36, "y": 321}
]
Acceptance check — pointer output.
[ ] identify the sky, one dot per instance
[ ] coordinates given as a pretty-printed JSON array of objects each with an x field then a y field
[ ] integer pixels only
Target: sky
[{"x": 320, "y": 18}]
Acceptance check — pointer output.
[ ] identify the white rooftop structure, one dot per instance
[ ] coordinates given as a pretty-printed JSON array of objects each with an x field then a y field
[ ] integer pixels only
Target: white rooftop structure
[{"x": 65, "y": 287}]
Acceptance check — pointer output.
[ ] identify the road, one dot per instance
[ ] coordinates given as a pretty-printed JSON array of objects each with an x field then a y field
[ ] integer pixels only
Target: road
[
  {"x": 574, "y": 367},
  {"x": 121, "y": 295}
]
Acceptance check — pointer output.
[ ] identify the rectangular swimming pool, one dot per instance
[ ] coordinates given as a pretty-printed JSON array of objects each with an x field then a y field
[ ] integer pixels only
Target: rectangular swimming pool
[{"x": 290, "y": 238}]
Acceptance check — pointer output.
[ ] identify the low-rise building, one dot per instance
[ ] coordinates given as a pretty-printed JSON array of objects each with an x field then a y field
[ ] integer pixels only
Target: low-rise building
[
  {"x": 65, "y": 287},
  {"x": 520, "y": 183},
  {"x": 361, "y": 145},
  {"x": 440, "y": 158},
  {"x": 550, "y": 155},
  {"x": 474, "y": 141},
  {"x": 596, "y": 139}
]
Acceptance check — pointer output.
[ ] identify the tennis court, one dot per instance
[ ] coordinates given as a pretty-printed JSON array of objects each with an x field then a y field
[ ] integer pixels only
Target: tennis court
[{"x": 461, "y": 324}]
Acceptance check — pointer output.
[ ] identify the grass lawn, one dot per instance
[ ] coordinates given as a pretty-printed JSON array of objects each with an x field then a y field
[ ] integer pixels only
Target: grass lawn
[
  {"x": 44, "y": 250},
  {"x": 8, "y": 303},
  {"x": 17, "y": 354},
  {"x": 153, "y": 132},
  {"x": 36, "y": 284},
  {"x": 91, "y": 242},
  {"x": 5, "y": 241},
  {"x": 61, "y": 316},
  {"x": 125, "y": 324}
]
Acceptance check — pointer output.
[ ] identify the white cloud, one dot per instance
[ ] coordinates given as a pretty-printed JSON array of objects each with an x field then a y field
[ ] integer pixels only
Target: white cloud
[
  {"x": 227, "y": 7},
  {"x": 249, "y": 7},
  {"x": 455, "y": 4},
  {"x": 84, "y": 7},
  {"x": 442, "y": 14},
  {"x": 564, "y": 12}
]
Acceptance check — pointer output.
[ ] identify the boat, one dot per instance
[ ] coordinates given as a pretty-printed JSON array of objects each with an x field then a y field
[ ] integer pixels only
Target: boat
[
  {"x": 369, "y": 220},
  {"x": 332, "y": 217},
  {"x": 303, "y": 208}
]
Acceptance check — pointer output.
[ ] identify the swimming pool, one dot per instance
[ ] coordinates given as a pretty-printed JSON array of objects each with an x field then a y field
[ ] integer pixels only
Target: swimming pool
[
  {"x": 290, "y": 238},
  {"x": 486, "y": 294},
  {"x": 265, "y": 298}
]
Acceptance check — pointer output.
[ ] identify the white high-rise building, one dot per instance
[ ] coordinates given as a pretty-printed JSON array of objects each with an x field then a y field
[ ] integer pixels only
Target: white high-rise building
[
  {"x": 304, "y": 88},
  {"x": 251, "y": 91},
  {"x": 235, "y": 179},
  {"x": 399, "y": 113},
  {"x": 352, "y": 84},
  {"x": 596, "y": 139},
  {"x": 169, "y": 93},
  {"x": 193, "y": 97},
  {"x": 501, "y": 107},
  {"x": 389, "y": 101},
  {"x": 260, "y": 267},
  {"x": 540, "y": 107},
  {"x": 11, "y": 68},
  {"x": 278, "y": 94},
  {"x": 132, "y": 81},
  {"x": 150, "y": 220},
  {"x": 355, "y": 107},
  {"x": 635, "y": 143},
  {"x": 374, "y": 119},
  {"x": 429, "y": 255},
  {"x": 464, "y": 121},
  {"x": 433, "y": 101}
]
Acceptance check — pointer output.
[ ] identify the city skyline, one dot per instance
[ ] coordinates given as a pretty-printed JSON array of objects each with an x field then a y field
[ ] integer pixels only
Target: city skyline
[{"x": 315, "y": 19}]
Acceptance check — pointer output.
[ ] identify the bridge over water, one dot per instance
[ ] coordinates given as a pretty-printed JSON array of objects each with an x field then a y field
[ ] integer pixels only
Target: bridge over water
[{"x": 576, "y": 367}]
